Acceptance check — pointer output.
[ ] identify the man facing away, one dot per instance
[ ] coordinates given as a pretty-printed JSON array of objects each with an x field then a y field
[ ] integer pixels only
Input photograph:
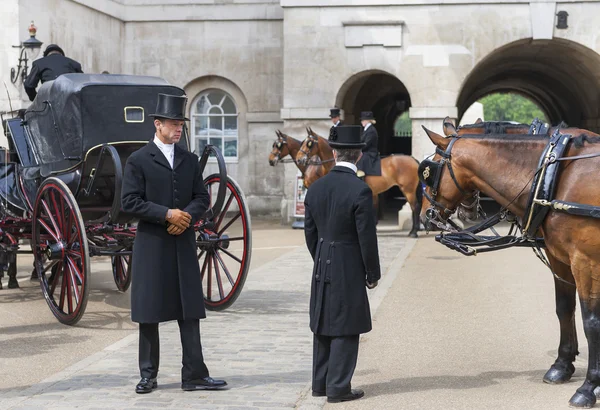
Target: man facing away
[
  {"x": 163, "y": 187},
  {"x": 341, "y": 236},
  {"x": 48, "y": 68}
]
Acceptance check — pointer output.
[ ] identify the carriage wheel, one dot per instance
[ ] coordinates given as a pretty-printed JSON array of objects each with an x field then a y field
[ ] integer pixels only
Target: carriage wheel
[
  {"x": 121, "y": 266},
  {"x": 60, "y": 251},
  {"x": 224, "y": 252}
]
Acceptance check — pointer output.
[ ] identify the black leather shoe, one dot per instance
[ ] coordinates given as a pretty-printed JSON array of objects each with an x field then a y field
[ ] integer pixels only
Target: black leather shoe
[
  {"x": 206, "y": 383},
  {"x": 146, "y": 385},
  {"x": 353, "y": 395},
  {"x": 318, "y": 393}
]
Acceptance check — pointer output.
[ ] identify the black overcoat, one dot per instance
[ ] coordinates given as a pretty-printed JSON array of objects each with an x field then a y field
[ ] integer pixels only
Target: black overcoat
[
  {"x": 370, "y": 163},
  {"x": 332, "y": 129},
  {"x": 166, "y": 283},
  {"x": 48, "y": 69},
  {"x": 340, "y": 232}
]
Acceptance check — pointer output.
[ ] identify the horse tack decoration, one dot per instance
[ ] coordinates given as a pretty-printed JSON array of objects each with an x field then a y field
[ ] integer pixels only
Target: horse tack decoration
[
  {"x": 552, "y": 185},
  {"x": 284, "y": 146}
]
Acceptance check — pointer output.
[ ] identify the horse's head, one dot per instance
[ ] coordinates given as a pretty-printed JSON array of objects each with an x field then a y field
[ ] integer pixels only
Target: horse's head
[
  {"x": 309, "y": 147},
  {"x": 447, "y": 185},
  {"x": 280, "y": 149}
]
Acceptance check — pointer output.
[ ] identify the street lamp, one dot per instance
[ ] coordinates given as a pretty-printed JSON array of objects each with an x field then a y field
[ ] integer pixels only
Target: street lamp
[{"x": 31, "y": 44}]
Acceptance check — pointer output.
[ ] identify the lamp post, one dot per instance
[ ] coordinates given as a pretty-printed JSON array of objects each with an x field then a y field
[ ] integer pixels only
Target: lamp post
[{"x": 30, "y": 44}]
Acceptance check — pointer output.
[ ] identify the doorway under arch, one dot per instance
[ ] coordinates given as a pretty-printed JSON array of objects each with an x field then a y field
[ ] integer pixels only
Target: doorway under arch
[{"x": 561, "y": 76}]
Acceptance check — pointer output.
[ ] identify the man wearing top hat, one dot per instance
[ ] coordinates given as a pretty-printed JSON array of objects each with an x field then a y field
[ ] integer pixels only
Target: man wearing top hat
[
  {"x": 334, "y": 114},
  {"x": 339, "y": 228},
  {"x": 163, "y": 187},
  {"x": 48, "y": 68},
  {"x": 370, "y": 163}
]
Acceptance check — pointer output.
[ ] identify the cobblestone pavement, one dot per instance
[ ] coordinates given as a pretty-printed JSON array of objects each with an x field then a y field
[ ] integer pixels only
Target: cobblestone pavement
[{"x": 262, "y": 346}]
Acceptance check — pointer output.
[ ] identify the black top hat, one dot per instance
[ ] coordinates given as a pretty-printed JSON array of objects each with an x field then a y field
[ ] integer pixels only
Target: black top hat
[
  {"x": 366, "y": 115},
  {"x": 171, "y": 107},
  {"x": 346, "y": 136},
  {"x": 334, "y": 112},
  {"x": 53, "y": 47}
]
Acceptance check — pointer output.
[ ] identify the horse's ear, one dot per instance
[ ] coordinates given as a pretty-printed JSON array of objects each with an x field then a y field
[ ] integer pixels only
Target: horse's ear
[
  {"x": 278, "y": 133},
  {"x": 437, "y": 139},
  {"x": 449, "y": 128},
  {"x": 479, "y": 121}
]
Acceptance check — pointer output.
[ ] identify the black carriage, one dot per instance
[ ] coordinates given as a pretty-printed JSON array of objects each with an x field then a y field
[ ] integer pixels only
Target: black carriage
[{"x": 60, "y": 188}]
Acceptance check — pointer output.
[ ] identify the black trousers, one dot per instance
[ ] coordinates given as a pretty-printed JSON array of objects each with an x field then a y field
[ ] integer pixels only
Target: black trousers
[
  {"x": 193, "y": 361},
  {"x": 334, "y": 361}
]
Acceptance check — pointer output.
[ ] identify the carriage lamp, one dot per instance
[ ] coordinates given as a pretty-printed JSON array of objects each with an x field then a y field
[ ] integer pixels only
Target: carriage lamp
[{"x": 32, "y": 45}]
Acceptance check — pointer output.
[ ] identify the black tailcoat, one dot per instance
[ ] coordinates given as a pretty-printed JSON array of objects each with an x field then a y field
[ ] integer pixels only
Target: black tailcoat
[
  {"x": 166, "y": 283},
  {"x": 370, "y": 163},
  {"x": 340, "y": 233}
]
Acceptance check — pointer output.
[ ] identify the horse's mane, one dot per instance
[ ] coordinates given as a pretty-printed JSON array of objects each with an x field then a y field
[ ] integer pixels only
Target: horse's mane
[
  {"x": 580, "y": 140},
  {"x": 286, "y": 137}
]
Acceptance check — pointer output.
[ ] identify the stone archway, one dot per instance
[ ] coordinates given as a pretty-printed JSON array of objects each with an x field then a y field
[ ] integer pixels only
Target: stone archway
[
  {"x": 386, "y": 96},
  {"x": 561, "y": 76}
]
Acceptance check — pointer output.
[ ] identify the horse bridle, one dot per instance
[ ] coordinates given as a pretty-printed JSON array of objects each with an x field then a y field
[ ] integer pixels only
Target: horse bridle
[
  {"x": 279, "y": 144},
  {"x": 430, "y": 173},
  {"x": 309, "y": 144}
]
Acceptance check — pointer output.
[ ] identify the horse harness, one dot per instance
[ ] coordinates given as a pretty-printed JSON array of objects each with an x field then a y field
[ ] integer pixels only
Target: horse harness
[
  {"x": 541, "y": 201},
  {"x": 310, "y": 143}
]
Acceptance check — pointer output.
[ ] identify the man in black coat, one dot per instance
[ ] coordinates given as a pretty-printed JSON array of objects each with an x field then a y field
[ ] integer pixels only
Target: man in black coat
[
  {"x": 334, "y": 114},
  {"x": 370, "y": 163},
  {"x": 340, "y": 232},
  {"x": 163, "y": 187},
  {"x": 48, "y": 68}
]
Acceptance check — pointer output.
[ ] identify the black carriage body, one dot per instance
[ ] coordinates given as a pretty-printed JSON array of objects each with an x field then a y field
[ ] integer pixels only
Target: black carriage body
[{"x": 65, "y": 128}]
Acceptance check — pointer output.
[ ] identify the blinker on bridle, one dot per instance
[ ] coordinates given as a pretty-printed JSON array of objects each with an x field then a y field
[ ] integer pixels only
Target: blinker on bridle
[{"x": 430, "y": 173}]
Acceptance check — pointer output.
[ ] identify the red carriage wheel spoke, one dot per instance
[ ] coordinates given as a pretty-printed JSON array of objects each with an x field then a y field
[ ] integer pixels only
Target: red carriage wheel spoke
[
  {"x": 74, "y": 254},
  {"x": 52, "y": 220},
  {"x": 200, "y": 255},
  {"x": 61, "y": 305},
  {"x": 218, "y": 276},
  {"x": 224, "y": 211},
  {"x": 229, "y": 223},
  {"x": 59, "y": 216},
  {"x": 231, "y": 255},
  {"x": 74, "y": 286},
  {"x": 69, "y": 289},
  {"x": 47, "y": 228},
  {"x": 75, "y": 270},
  {"x": 231, "y": 281},
  {"x": 203, "y": 267},
  {"x": 55, "y": 279},
  {"x": 209, "y": 279}
]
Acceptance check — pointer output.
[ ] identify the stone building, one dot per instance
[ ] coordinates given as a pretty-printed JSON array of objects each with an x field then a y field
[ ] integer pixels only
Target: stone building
[{"x": 251, "y": 67}]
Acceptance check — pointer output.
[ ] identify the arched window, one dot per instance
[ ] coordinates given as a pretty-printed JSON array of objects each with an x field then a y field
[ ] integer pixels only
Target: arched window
[{"x": 215, "y": 122}]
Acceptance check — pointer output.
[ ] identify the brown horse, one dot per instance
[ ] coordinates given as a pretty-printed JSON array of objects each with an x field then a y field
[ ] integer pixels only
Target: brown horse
[
  {"x": 396, "y": 170},
  {"x": 283, "y": 146},
  {"x": 503, "y": 168}
]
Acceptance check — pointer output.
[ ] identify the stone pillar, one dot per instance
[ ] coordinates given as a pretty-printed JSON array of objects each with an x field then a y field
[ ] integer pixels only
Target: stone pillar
[{"x": 432, "y": 118}]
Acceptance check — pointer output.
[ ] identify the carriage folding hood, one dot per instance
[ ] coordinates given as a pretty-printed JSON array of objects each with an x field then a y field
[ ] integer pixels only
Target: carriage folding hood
[{"x": 75, "y": 112}]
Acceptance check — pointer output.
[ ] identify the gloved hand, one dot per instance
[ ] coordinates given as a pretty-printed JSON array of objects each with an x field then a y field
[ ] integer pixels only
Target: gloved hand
[{"x": 372, "y": 285}]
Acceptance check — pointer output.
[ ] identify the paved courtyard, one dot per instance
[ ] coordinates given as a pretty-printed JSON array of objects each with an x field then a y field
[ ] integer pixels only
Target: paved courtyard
[{"x": 262, "y": 346}]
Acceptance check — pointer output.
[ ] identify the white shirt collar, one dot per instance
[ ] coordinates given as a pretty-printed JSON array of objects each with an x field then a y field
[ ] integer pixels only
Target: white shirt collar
[
  {"x": 168, "y": 150},
  {"x": 367, "y": 126},
  {"x": 337, "y": 123},
  {"x": 347, "y": 165}
]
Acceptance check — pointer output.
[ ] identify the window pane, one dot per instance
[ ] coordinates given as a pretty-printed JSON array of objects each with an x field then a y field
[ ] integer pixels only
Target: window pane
[
  {"x": 217, "y": 142},
  {"x": 215, "y": 97},
  {"x": 216, "y": 111},
  {"x": 230, "y": 148},
  {"x": 200, "y": 144},
  {"x": 216, "y": 123},
  {"x": 201, "y": 125},
  {"x": 202, "y": 105},
  {"x": 229, "y": 106},
  {"x": 231, "y": 126}
]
